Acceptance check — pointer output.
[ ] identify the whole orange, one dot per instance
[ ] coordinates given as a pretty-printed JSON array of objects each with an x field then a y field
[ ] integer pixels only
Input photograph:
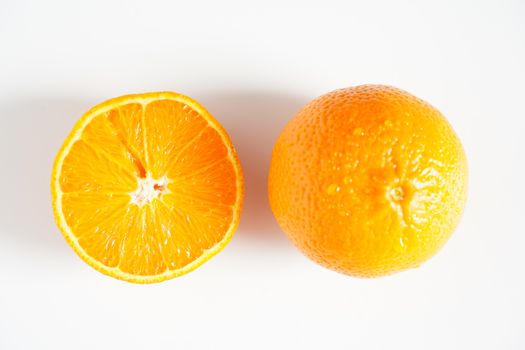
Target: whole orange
[{"x": 368, "y": 180}]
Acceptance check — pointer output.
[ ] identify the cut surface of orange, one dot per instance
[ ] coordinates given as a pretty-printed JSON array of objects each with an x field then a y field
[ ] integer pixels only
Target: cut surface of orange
[{"x": 147, "y": 187}]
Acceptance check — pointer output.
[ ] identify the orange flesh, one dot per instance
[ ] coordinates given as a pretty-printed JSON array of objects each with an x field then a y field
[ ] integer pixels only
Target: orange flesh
[{"x": 147, "y": 189}]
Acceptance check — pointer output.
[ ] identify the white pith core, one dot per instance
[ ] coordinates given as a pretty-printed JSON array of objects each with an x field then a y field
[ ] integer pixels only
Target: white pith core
[{"x": 148, "y": 189}]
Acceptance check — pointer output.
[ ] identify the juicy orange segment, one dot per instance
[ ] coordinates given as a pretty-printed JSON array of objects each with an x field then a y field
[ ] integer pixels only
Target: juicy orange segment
[{"x": 147, "y": 187}]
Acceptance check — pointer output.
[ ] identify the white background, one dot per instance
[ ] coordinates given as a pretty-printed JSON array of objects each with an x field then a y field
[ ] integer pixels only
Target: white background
[{"x": 253, "y": 64}]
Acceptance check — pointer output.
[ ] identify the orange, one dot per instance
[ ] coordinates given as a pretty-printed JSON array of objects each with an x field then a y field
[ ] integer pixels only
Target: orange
[
  {"x": 147, "y": 187},
  {"x": 368, "y": 180}
]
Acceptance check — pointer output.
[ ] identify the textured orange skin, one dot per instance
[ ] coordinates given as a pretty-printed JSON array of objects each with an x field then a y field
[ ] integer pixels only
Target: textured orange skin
[{"x": 368, "y": 181}]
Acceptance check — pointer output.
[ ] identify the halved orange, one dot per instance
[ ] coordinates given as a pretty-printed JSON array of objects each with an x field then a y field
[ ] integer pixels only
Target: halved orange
[{"x": 147, "y": 187}]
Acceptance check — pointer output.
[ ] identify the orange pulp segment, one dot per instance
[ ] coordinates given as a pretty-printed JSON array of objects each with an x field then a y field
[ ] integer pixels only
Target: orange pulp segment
[{"x": 147, "y": 187}]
